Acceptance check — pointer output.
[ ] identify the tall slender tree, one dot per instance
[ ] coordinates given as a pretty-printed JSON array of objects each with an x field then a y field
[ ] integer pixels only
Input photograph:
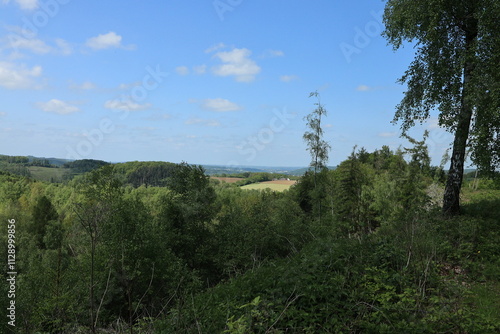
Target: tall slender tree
[
  {"x": 316, "y": 145},
  {"x": 456, "y": 70}
]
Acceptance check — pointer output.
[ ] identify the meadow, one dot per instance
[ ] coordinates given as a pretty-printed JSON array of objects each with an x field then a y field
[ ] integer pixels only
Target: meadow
[
  {"x": 48, "y": 174},
  {"x": 273, "y": 185}
]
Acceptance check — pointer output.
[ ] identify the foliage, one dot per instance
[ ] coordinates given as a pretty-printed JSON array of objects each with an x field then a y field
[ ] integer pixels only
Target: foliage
[
  {"x": 456, "y": 70},
  {"x": 192, "y": 256},
  {"x": 316, "y": 145}
]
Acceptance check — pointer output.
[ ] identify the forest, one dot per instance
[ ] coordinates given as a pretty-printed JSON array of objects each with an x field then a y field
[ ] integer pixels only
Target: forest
[
  {"x": 147, "y": 247},
  {"x": 385, "y": 242}
]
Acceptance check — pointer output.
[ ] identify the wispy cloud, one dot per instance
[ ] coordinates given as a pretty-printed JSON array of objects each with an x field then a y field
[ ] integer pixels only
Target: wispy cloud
[
  {"x": 57, "y": 107},
  {"x": 126, "y": 86},
  {"x": 363, "y": 88},
  {"x": 64, "y": 47},
  {"x": 158, "y": 117},
  {"x": 203, "y": 122},
  {"x": 18, "y": 39},
  {"x": 366, "y": 88},
  {"x": 34, "y": 45},
  {"x": 87, "y": 85},
  {"x": 273, "y": 54},
  {"x": 126, "y": 105},
  {"x": 215, "y": 47},
  {"x": 200, "y": 69},
  {"x": 219, "y": 105},
  {"x": 109, "y": 40},
  {"x": 288, "y": 78},
  {"x": 236, "y": 63},
  {"x": 25, "y": 4},
  {"x": 182, "y": 70},
  {"x": 387, "y": 134},
  {"x": 13, "y": 76}
]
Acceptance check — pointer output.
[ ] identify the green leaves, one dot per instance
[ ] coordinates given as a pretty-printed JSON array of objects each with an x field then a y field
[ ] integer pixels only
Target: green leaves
[
  {"x": 453, "y": 74},
  {"x": 317, "y": 147}
]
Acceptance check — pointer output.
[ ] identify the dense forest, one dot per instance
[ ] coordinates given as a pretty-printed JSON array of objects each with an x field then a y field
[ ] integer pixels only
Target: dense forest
[
  {"x": 151, "y": 247},
  {"x": 383, "y": 243}
]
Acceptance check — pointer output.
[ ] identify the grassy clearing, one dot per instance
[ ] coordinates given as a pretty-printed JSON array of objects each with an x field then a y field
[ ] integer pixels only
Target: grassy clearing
[
  {"x": 48, "y": 174},
  {"x": 273, "y": 185}
]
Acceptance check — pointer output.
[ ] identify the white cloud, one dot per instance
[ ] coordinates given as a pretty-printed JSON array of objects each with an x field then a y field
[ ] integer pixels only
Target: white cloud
[
  {"x": 201, "y": 69},
  {"x": 204, "y": 122},
  {"x": 34, "y": 45},
  {"x": 288, "y": 78},
  {"x": 21, "y": 39},
  {"x": 57, "y": 107},
  {"x": 107, "y": 41},
  {"x": 13, "y": 76},
  {"x": 219, "y": 105},
  {"x": 363, "y": 88},
  {"x": 238, "y": 64},
  {"x": 125, "y": 86},
  {"x": 182, "y": 70},
  {"x": 215, "y": 47},
  {"x": 158, "y": 117},
  {"x": 25, "y": 4},
  {"x": 87, "y": 85},
  {"x": 387, "y": 134},
  {"x": 64, "y": 48},
  {"x": 273, "y": 53},
  {"x": 126, "y": 105},
  {"x": 3, "y": 114}
]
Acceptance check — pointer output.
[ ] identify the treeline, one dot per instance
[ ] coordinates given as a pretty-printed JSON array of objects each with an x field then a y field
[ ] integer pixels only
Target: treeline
[
  {"x": 26, "y": 161},
  {"x": 158, "y": 248},
  {"x": 84, "y": 165},
  {"x": 14, "y": 159}
]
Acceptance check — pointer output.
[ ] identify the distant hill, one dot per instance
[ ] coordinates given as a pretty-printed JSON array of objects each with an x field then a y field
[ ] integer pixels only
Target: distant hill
[
  {"x": 134, "y": 172},
  {"x": 85, "y": 165},
  {"x": 218, "y": 170},
  {"x": 302, "y": 171},
  {"x": 47, "y": 169},
  {"x": 53, "y": 161}
]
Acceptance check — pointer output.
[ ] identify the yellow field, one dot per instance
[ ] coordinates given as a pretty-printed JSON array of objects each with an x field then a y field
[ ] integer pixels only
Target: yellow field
[{"x": 273, "y": 185}]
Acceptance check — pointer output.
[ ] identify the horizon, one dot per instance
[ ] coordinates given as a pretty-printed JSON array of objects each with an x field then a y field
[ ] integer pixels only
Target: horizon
[
  {"x": 199, "y": 82},
  {"x": 288, "y": 168}
]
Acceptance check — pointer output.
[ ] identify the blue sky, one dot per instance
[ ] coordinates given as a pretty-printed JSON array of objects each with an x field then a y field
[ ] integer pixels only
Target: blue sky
[{"x": 222, "y": 82}]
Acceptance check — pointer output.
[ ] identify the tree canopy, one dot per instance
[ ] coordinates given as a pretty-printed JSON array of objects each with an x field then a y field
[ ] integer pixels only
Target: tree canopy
[{"x": 456, "y": 71}]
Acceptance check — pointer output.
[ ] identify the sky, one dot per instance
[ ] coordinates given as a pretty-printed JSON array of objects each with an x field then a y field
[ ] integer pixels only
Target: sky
[{"x": 221, "y": 82}]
